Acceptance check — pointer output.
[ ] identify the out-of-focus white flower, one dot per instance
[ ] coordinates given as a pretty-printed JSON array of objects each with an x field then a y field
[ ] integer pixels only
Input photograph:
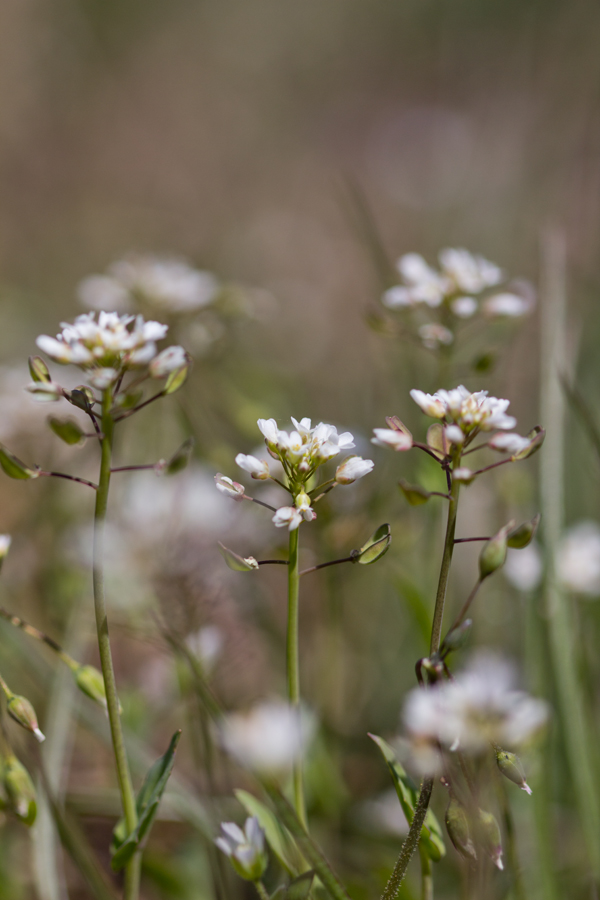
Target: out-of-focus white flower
[
  {"x": 464, "y": 307},
  {"x": 207, "y": 645},
  {"x": 578, "y": 559},
  {"x": 103, "y": 378},
  {"x": 389, "y": 437},
  {"x": 269, "y": 738},
  {"x": 426, "y": 285},
  {"x": 45, "y": 391},
  {"x": 231, "y": 488},
  {"x": 384, "y": 814},
  {"x": 168, "y": 360},
  {"x": 454, "y": 434},
  {"x": 471, "y": 412},
  {"x": 5, "y": 542},
  {"x": 469, "y": 273},
  {"x": 245, "y": 849},
  {"x": 506, "y": 304},
  {"x": 434, "y": 335},
  {"x": 509, "y": 443},
  {"x": 100, "y": 292},
  {"x": 258, "y": 468},
  {"x": 463, "y": 474},
  {"x": 352, "y": 468},
  {"x": 397, "y": 297},
  {"x": 287, "y": 517},
  {"x": 480, "y": 706},
  {"x": 524, "y": 568}
]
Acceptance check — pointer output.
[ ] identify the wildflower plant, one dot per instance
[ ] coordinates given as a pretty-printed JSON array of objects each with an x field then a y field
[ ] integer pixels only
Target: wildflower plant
[
  {"x": 119, "y": 359},
  {"x": 453, "y": 722}
]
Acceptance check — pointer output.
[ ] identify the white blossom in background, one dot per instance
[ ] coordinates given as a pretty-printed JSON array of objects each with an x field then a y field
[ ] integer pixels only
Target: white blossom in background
[
  {"x": 524, "y": 568},
  {"x": 480, "y": 706},
  {"x": 434, "y": 335},
  {"x": 471, "y": 412},
  {"x": 509, "y": 305},
  {"x": 509, "y": 443},
  {"x": 383, "y": 814},
  {"x": 245, "y": 848},
  {"x": 269, "y": 738},
  {"x": 167, "y": 283},
  {"x": 5, "y": 542},
  {"x": 207, "y": 646},
  {"x": 578, "y": 559},
  {"x": 467, "y": 272}
]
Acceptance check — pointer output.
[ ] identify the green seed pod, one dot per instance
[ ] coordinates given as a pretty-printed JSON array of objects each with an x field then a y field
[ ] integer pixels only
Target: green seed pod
[
  {"x": 180, "y": 458},
  {"x": 38, "y": 369},
  {"x": 21, "y": 710},
  {"x": 522, "y": 535},
  {"x": 13, "y": 466},
  {"x": 20, "y": 791},
  {"x": 488, "y": 833},
  {"x": 493, "y": 555},
  {"x": 89, "y": 680},
  {"x": 536, "y": 439},
  {"x": 415, "y": 494},
  {"x": 512, "y": 768},
  {"x": 68, "y": 430},
  {"x": 456, "y": 638},
  {"x": 459, "y": 832},
  {"x": 82, "y": 397},
  {"x": 235, "y": 562},
  {"x": 436, "y": 440},
  {"x": 176, "y": 379}
]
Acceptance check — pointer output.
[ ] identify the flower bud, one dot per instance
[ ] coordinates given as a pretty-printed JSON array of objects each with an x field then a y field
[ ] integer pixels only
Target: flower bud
[
  {"x": 522, "y": 535},
  {"x": 257, "y": 468},
  {"x": 463, "y": 475},
  {"x": 13, "y": 466},
  {"x": 21, "y": 710},
  {"x": 414, "y": 493},
  {"x": 169, "y": 360},
  {"x": 352, "y": 468},
  {"x": 233, "y": 489},
  {"x": 512, "y": 768},
  {"x": 488, "y": 833},
  {"x": 20, "y": 790},
  {"x": 457, "y": 826},
  {"x": 38, "y": 369},
  {"x": 68, "y": 430},
  {"x": 493, "y": 555},
  {"x": 456, "y": 638},
  {"x": 89, "y": 680}
]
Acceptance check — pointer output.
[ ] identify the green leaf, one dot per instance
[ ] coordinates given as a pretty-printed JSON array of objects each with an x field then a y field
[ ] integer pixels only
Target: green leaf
[
  {"x": 299, "y": 889},
  {"x": 180, "y": 458},
  {"x": 235, "y": 562},
  {"x": 431, "y": 832},
  {"x": 176, "y": 380},
  {"x": 376, "y": 546},
  {"x": 68, "y": 430},
  {"x": 278, "y": 837},
  {"x": 415, "y": 494},
  {"x": 147, "y": 806},
  {"x": 13, "y": 466}
]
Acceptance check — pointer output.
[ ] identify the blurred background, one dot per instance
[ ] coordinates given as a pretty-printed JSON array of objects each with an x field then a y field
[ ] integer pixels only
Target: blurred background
[{"x": 264, "y": 141}]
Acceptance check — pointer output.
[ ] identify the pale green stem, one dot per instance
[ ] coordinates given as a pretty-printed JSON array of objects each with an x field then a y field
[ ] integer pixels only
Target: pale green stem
[
  {"x": 426, "y": 876},
  {"x": 293, "y": 663},
  {"x": 561, "y": 627},
  {"x": 132, "y": 872},
  {"x": 412, "y": 839},
  {"x": 261, "y": 890}
]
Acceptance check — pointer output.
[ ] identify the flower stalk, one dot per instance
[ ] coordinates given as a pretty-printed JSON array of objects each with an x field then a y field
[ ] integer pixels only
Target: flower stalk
[{"x": 293, "y": 663}]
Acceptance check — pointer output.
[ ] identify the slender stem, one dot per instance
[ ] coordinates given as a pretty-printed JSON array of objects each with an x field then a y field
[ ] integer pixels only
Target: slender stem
[
  {"x": 426, "y": 876},
  {"x": 261, "y": 890},
  {"x": 134, "y": 468},
  {"x": 273, "y": 562},
  {"x": 333, "y": 562},
  {"x": 427, "y": 449},
  {"x": 466, "y": 540},
  {"x": 438, "y": 613},
  {"x": 69, "y": 478},
  {"x": 293, "y": 663},
  {"x": 466, "y": 606},
  {"x": 511, "y": 846},
  {"x": 137, "y": 408},
  {"x": 410, "y": 844},
  {"x": 39, "y": 636},
  {"x": 112, "y": 699},
  {"x": 260, "y": 502},
  {"x": 494, "y": 465}
]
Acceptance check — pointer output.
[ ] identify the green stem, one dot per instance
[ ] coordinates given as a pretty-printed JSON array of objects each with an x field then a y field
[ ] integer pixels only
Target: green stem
[
  {"x": 426, "y": 876},
  {"x": 293, "y": 663},
  {"x": 123, "y": 774},
  {"x": 412, "y": 839},
  {"x": 261, "y": 890}
]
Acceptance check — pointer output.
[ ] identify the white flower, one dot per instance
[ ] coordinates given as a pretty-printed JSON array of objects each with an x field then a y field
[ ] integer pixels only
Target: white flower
[
  {"x": 426, "y": 285},
  {"x": 5, "y": 542},
  {"x": 398, "y": 297},
  {"x": 207, "y": 645},
  {"x": 578, "y": 559},
  {"x": 45, "y": 391},
  {"x": 506, "y": 305},
  {"x": 103, "y": 378},
  {"x": 463, "y": 474},
  {"x": 269, "y": 430},
  {"x": 352, "y": 468},
  {"x": 470, "y": 273},
  {"x": 268, "y": 739},
  {"x": 464, "y": 307},
  {"x": 454, "y": 434},
  {"x": 389, "y": 437},
  {"x": 103, "y": 292},
  {"x": 509, "y": 443},
  {"x": 302, "y": 504},
  {"x": 256, "y": 467},
  {"x": 434, "y": 334},
  {"x": 480, "y": 706},
  {"x": 470, "y": 411},
  {"x": 169, "y": 360},
  {"x": 166, "y": 282},
  {"x": 305, "y": 447},
  {"x": 245, "y": 849},
  {"x": 62, "y": 352},
  {"x": 524, "y": 568},
  {"x": 232, "y": 488},
  {"x": 287, "y": 517}
]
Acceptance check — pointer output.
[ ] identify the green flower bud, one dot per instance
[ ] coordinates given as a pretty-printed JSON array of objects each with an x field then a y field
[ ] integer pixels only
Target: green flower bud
[
  {"x": 38, "y": 369},
  {"x": 459, "y": 832},
  {"x": 21, "y": 710},
  {"x": 493, "y": 555},
  {"x": 415, "y": 494},
  {"x": 89, "y": 680},
  {"x": 488, "y": 833},
  {"x": 522, "y": 535},
  {"x": 19, "y": 791},
  {"x": 455, "y": 639},
  {"x": 512, "y": 768}
]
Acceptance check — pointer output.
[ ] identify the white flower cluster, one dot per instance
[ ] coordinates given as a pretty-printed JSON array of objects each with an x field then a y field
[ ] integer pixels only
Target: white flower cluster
[
  {"x": 480, "y": 706},
  {"x": 578, "y": 559},
  {"x": 463, "y": 285},
  {"x": 167, "y": 283},
  {"x": 109, "y": 345},
  {"x": 301, "y": 452},
  {"x": 468, "y": 412},
  {"x": 269, "y": 738}
]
